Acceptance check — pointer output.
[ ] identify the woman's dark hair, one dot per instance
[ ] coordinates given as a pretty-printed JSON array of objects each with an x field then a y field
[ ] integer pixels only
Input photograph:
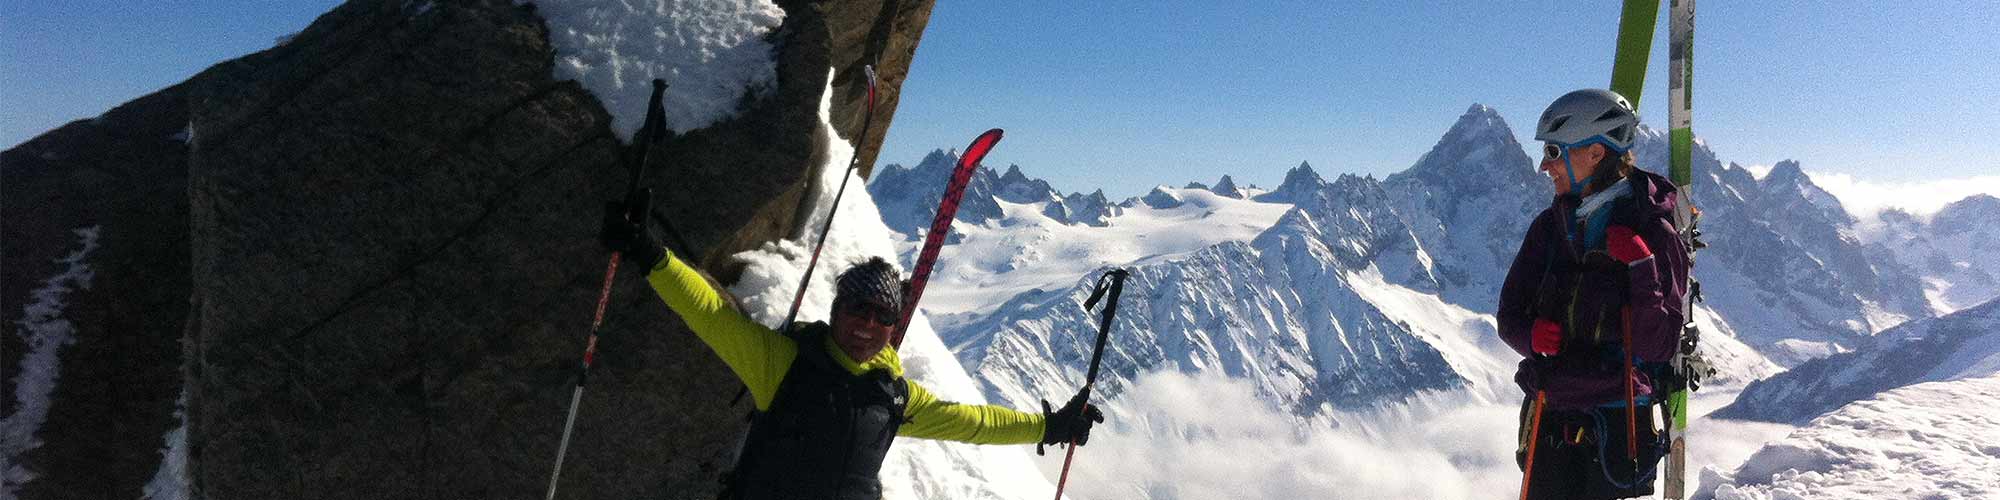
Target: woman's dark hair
[{"x": 1621, "y": 163}]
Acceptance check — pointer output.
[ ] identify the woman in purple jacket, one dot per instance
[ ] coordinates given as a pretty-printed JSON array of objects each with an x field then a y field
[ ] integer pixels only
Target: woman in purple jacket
[{"x": 1591, "y": 304}]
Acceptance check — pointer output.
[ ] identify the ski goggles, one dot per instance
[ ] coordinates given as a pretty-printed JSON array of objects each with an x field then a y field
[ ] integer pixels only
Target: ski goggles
[
  {"x": 864, "y": 310},
  {"x": 1552, "y": 151}
]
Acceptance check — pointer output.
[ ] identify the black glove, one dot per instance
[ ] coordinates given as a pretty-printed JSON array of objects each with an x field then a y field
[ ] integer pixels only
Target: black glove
[
  {"x": 633, "y": 238},
  {"x": 1071, "y": 424}
]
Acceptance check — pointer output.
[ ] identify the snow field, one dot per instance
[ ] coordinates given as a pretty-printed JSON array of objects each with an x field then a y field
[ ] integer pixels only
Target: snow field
[
  {"x": 1934, "y": 440},
  {"x": 1027, "y": 250}
]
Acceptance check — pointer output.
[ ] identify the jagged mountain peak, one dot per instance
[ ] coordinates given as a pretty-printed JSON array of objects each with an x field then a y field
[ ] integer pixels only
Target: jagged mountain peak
[
  {"x": 1980, "y": 204},
  {"x": 1017, "y": 187},
  {"x": 1969, "y": 215},
  {"x": 1227, "y": 187},
  {"x": 1479, "y": 117},
  {"x": 940, "y": 157},
  {"x": 1013, "y": 174},
  {"x": 1478, "y": 145},
  {"x": 1787, "y": 171},
  {"x": 1788, "y": 184},
  {"x": 1300, "y": 183}
]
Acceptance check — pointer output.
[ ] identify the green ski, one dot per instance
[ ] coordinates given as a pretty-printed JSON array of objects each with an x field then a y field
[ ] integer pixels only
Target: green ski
[
  {"x": 1635, "y": 45},
  {"x": 1680, "y": 137}
]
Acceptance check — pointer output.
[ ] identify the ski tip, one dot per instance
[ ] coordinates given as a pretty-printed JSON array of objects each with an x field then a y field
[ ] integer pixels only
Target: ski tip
[
  {"x": 976, "y": 151},
  {"x": 659, "y": 85}
]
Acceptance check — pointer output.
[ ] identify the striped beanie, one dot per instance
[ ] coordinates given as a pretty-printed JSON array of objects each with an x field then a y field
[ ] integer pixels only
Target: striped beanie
[{"x": 874, "y": 281}]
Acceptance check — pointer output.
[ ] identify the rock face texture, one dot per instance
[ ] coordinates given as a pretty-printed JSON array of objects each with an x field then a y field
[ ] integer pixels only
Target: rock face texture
[
  {"x": 368, "y": 257},
  {"x": 124, "y": 172}
]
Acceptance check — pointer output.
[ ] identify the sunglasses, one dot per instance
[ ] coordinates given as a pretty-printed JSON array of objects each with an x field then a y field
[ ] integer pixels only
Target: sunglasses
[
  {"x": 1551, "y": 151},
  {"x": 880, "y": 315}
]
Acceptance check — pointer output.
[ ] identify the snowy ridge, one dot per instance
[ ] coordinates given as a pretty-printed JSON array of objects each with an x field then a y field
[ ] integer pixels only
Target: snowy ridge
[
  {"x": 1965, "y": 344},
  {"x": 1468, "y": 200},
  {"x": 1950, "y": 249},
  {"x": 1789, "y": 274},
  {"x": 712, "y": 52},
  {"x": 915, "y": 469},
  {"x": 1930, "y": 440},
  {"x": 44, "y": 331},
  {"x": 1299, "y": 311}
]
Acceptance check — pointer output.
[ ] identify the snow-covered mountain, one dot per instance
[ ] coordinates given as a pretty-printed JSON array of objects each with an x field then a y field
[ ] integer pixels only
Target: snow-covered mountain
[
  {"x": 910, "y": 194},
  {"x": 1374, "y": 296},
  {"x": 1469, "y": 200},
  {"x": 1952, "y": 250},
  {"x": 1964, "y": 344},
  {"x": 1046, "y": 243},
  {"x": 1345, "y": 302},
  {"x": 1300, "y": 183},
  {"x": 1282, "y": 311},
  {"x": 1784, "y": 263}
]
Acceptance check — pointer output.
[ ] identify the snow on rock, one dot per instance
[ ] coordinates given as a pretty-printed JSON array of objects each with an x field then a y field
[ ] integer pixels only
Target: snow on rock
[
  {"x": 1950, "y": 249},
  {"x": 170, "y": 482},
  {"x": 44, "y": 332},
  {"x": 1300, "y": 182},
  {"x": 1934, "y": 440},
  {"x": 711, "y": 52},
  {"x": 1964, "y": 344},
  {"x": 1227, "y": 188},
  {"x": 916, "y": 469},
  {"x": 1163, "y": 198}
]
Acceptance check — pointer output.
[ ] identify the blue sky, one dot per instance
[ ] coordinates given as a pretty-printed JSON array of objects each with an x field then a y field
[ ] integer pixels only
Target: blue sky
[
  {"x": 1128, "y": 94},
  {"x": 1123, "y": 95}
]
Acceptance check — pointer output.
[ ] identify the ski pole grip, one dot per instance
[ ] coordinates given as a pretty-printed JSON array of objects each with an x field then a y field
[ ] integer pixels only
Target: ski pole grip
[{"x": 651, "y": 132}]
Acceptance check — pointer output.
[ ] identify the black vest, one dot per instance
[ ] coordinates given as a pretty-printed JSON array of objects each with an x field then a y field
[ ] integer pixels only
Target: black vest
[{"x": 826, "y": 433}]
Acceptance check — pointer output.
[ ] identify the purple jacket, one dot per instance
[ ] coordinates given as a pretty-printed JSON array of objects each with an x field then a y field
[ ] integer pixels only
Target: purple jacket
[{"x": 1587, "y": 292}]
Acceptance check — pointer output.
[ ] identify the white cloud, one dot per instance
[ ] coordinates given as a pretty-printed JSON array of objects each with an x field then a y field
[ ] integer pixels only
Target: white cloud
[
  {"x": 1173, "y": 435},
  {"x": 1866, "y": 198},
  {"x": 1182, "y": 436}
]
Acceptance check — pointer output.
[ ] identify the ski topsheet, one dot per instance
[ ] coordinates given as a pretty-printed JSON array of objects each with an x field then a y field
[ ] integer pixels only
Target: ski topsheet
[
  {"x": 1680, "y": 137},
  {"x": 941, "y": 225},
  {"x": 1635, "y": 45}
]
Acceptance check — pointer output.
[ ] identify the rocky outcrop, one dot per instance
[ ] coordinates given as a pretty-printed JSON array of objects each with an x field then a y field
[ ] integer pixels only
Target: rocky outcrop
[
  {"x": 125, "y": 173},
  {"x": 1227, "y": 187},
  {"x": 377, "y": 249}
]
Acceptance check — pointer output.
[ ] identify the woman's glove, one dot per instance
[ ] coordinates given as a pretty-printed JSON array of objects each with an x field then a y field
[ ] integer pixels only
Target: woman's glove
[
  {"x": 1548, "y": 337},
  {"x": 633, "y": 238},
  {"x": 1626, "y": 246},
  {"x": 1071, "y": 424}
]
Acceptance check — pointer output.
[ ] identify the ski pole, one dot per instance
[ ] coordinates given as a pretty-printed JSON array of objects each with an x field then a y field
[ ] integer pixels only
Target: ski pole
[
  {"x": 650, "y": 133},
  {"x": 1534, "y": 436},
  {"x": 861, "y": 141},
  {"x": 1116, "y": 287}
]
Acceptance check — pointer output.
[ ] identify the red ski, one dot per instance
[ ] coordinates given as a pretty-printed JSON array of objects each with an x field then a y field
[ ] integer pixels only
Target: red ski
[{"x": 941, "y": 225}]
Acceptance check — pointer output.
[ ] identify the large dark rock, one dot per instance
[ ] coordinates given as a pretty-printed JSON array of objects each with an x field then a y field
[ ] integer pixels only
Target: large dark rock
[
  {"x": 378, "y": 252},
  {"x": 125, "y": 173}
]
